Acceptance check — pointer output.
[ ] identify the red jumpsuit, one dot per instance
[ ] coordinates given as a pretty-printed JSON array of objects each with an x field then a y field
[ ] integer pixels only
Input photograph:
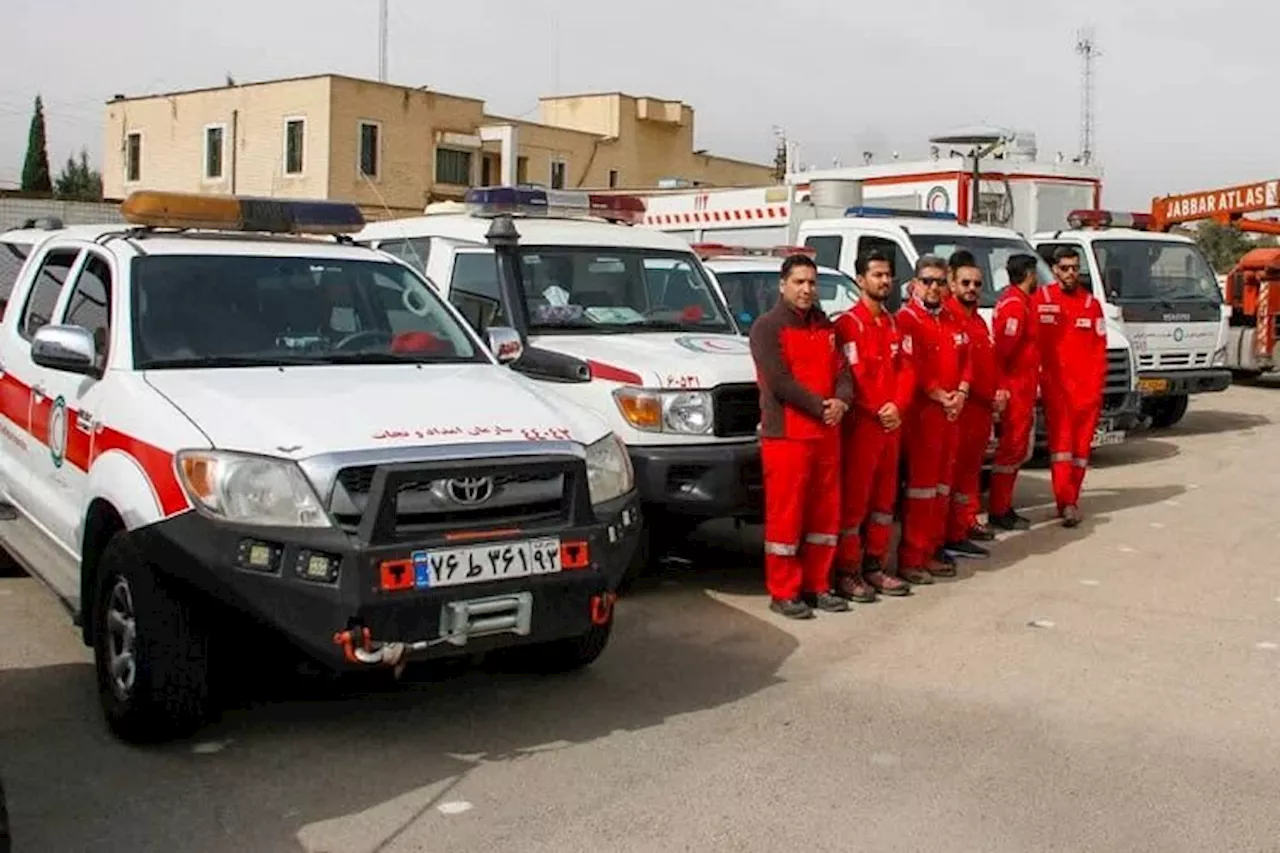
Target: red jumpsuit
[
  {"x": 797, "y": 367},
  {"x": 1018, "y": 366},
  {"x": 940, "y": 356},
  {"x": 974, "y": 426},
  {"x": 1073, "y": 364},
  {"x": 879, "y": 357}
]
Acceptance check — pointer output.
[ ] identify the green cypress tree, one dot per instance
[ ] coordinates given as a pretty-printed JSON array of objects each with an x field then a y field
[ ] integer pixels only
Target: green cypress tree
[{"x": 35, "y": 169}]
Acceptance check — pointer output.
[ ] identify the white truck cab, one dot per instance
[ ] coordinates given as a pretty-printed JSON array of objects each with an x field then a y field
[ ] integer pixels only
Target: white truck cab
[
  {"x": 906, "y": 235},
  {"x": 1162, "y": 291},
  {"x": 748, "y": 279},
  {"x": 208, "y": 421},
  {"x": 624, "y": 321}
]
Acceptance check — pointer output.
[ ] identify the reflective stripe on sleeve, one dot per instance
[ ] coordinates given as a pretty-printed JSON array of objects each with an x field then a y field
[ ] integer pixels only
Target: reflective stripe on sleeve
[
  {"x": 1004, "y": 469},
  {"x": 780, "y": 549},
  {"x": 944, "y": 490},
  {"x": 1061, "y": 457},
  {"x": 822, "y": 539},
  {"x": 922, "y": 494},
  {"x": 881, "y": 518},
  {"x": 1080, "y": 463}
]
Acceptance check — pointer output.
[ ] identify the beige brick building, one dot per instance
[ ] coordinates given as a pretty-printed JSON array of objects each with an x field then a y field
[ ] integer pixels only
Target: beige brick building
[{"x": 393, "y": 149}]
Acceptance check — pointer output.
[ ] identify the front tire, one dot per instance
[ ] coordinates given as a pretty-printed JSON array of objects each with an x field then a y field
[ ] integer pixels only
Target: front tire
[
  {"x": 151, "y": 650},
  {"x": 1167, "y": 412}
]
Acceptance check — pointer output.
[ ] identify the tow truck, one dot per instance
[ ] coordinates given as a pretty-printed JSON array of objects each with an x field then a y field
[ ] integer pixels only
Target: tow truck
[
  {"x": 1162, "y": 291},
  {"x": 222, "y": 419},
  {"x": 625, "y": 321},
  {"x": 748, "y": 279},
  {"x": 1251, "y": 304}
]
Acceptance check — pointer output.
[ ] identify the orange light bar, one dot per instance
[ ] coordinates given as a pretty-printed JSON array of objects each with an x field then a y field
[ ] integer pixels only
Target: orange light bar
[{"x": 159, "y": 209}]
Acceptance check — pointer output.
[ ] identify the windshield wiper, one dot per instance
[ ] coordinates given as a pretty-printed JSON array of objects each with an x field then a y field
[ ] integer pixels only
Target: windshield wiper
[
  {"x": 230, "y": 361},
  {"x": 384, "y": 358},
  {"x": 673, "y": 326}
]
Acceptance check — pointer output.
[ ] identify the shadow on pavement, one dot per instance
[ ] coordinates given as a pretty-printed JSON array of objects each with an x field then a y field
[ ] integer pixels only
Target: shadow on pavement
[
  {"x": 254, "y": 780},
  {"x": 1213, "y": 421}
]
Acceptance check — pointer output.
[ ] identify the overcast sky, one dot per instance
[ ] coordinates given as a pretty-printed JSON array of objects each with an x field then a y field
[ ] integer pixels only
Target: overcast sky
[{"x": 1184, "y": 87}]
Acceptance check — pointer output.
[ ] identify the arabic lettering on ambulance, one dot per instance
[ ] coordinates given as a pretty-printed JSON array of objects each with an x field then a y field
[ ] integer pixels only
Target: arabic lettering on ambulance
[
  {"x": 682, "y": 381},
  {"x": 525, "y": 433}
]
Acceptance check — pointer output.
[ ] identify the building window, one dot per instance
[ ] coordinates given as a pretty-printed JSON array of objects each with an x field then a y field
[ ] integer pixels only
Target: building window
[
  {"x": 214, "y": 150},
  {"x": 370, "y": 148},
  {"x": 133, "y": 157},
  {"x": 453, "y": 167},
  {"x": 558, "y": 169},
  {"x": 522, "y": 170},
  {"x": 613, "y": 179},
  {"x": 295, "y": 143}
]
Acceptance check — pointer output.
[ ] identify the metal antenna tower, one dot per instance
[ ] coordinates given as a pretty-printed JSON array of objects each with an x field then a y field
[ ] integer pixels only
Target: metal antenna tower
[
  {"x": 1087, "y": 48},
  {"x": 382, "y": 41}
]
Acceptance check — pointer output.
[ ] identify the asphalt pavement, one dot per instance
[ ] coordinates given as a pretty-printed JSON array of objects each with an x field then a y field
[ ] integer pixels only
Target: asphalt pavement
[{"x": 1109, "y": 688}]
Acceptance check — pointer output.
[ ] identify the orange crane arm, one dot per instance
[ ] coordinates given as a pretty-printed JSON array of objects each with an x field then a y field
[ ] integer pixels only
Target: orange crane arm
[{"x": 1226, "y": 205}]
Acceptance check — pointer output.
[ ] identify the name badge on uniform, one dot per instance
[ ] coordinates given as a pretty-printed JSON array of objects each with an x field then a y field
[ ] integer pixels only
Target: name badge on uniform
[
  {"x": 1084, "y": 323},
  {"x": 906, "y": 344},
  {"x": 1011, "y": 326},
  {"x": 851, "y": 353},
  {"x": 1100, "y": 326},
  {"x": 1048, "y": 318}
]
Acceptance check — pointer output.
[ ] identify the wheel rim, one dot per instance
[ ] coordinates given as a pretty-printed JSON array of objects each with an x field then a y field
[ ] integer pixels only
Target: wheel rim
[{"x": 122, "y": 635}]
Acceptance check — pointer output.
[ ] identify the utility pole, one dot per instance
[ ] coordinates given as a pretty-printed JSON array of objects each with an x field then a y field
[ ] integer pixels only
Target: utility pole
[
  {"x": 1088, "y": 51},
  {"x": 382, "y": 41}
]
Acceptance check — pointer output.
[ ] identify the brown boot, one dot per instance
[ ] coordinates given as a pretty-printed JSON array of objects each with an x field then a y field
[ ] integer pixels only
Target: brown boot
[
  {"x": 1071, "y": 516},
  {"x": 881, "y": 581},
  {"x": 851, "y": 585},
  {"x": 915, "y": 576}
]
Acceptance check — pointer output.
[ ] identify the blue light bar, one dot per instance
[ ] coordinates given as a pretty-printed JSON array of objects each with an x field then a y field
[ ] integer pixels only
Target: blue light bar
[
  {"x": 895, "y": 213},
  {"x": 568, "y": 204}
]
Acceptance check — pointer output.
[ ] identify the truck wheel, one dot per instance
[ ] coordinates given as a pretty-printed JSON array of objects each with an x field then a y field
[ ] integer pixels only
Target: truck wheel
[
  {"x": 151, "y": 651},
  {"x": 1166, "y": 413}
]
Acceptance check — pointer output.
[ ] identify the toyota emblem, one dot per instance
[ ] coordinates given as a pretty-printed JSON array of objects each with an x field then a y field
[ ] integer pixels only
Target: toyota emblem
[{"x": 470, "y": 491}]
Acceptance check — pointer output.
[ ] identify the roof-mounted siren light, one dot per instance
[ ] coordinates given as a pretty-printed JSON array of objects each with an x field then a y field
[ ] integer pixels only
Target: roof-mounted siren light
[
  {"x": 981, "y": 141},
  {"x": 157, "y": 209},
  {"x": 1080, "y": 219},
  {"x": 899, "y": 213},
  {"x": 563, "y": 204}
]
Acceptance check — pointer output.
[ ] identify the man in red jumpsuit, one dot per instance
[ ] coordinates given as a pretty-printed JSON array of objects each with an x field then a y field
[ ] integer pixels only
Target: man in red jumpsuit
[
  {"x": 940, "y": 356},
  {"x": 1073, "y": 373},
  {"x": 805, "y": 390},
  {"x": 880, "y": 360},
  {"x": 1015, "y": 325},
  {"x": 981, "y": 405}
]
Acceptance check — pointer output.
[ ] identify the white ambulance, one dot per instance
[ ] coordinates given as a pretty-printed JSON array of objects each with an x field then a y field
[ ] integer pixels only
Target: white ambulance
[
  {"x": 625, "y": 321},
  {"x": 212, "y": 427}
]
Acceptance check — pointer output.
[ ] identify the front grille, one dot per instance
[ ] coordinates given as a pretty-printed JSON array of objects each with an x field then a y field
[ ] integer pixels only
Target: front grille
[
  {"x": 434, "y": 498},
  {"x": 736, "y": 410},
  {"x": 1119, "y": 380},
  {"x": 1174, "y": 360}
]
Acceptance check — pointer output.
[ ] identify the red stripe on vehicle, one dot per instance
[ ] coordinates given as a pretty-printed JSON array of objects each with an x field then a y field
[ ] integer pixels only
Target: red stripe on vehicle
[
  {"x": 157, "y": 463},
  {"x": 600, "y": 370}
]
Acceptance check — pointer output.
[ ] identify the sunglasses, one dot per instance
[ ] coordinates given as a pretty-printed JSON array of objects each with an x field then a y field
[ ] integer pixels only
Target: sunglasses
[
  {"x": 969, "y": 282},
  {"x": 933, "y": 282},
  {"x": 1069, "y": 267}
]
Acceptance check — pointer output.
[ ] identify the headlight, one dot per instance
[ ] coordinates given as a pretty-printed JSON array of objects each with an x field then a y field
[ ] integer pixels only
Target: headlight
[
  {"x": 250, "y": 489},
  {"x": 609, "y": 472},
  {"x": 1220, "y": 357},
  {"x": 684, "y": 412}
]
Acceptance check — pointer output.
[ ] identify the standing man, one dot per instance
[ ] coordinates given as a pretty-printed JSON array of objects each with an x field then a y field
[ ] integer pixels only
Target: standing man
[
  {"x": 879, "y": 358},
  {"x": 974, "y": 425},
  {"x": 805, "y": 390},
  {"x": 1073, "y": 362},
  {"x": 1018, "y": 366},
  {"x": 939, "y": 354}
]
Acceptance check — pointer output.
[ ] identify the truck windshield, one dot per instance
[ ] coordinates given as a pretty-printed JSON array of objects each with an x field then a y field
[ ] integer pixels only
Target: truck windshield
[
  {"x": 751, "y": 293},
  {"x": 991, "y": 253},
  {"x": 1155, "y": 271},
  {"x": 569, "y": 289},
  {"x": 248, "y": 311}
]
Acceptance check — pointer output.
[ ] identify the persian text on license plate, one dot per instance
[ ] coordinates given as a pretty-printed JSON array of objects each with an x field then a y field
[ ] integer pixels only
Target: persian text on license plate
[
  {"x": 481, "y": 563},
  {"x": 1103, "y": 437}
]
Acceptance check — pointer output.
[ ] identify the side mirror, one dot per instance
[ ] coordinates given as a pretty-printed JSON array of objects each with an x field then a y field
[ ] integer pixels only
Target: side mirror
[
  {"x": 505, "y": 344},
  {"x": 66, "y": 348}
]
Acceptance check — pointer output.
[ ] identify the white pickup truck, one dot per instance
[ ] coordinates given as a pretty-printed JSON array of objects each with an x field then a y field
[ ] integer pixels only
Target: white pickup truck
[{"x": 207, "y": 431}]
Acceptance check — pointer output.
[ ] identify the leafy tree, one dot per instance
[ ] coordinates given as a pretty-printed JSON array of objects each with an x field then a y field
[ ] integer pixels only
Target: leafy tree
[
  {"x": 78, "y": 181},
  {"x": 35, "y": 169},
  {"x": 1223, "y": 245}
]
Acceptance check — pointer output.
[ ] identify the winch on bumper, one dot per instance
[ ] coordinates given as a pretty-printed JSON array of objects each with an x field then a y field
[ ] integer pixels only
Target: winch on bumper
[{"x": 399, "y": 575}]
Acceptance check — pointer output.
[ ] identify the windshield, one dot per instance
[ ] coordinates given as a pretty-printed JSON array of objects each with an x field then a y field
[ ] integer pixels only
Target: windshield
[
  {"x": 991, "y": 253},
  {"x": 752, "y": 293},
  {"x": 1146, "y": 271},
  {"x": 246, "y": 311}
]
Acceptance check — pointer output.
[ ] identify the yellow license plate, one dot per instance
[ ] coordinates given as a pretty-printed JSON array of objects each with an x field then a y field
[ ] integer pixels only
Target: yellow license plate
[{"x": 1153, "y": 386}]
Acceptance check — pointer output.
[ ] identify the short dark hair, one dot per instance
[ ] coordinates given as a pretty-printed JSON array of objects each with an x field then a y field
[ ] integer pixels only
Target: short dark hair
[
  {"x": 961, "y": 258},
  {"x": 1065, "y": 252},
  {"x": 1019, "y": 267},
  {"x": 796, "y": 260},
  {"x": 865, "y": 260},
  {"x": 927, "y": 261}
]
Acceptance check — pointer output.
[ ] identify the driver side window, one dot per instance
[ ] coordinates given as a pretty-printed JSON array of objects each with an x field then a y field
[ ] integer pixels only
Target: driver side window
[{"x": 89, "y": 305}]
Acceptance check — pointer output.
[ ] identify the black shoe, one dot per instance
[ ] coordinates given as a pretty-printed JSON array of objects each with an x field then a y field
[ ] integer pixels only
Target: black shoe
[
  {"x": 967, "y": 549},
  {"x": 794, "y": 609},
  {"x": 945, "y": 558},
  {"x": 1071, "y": 517},
  {"x": 827, "y": 601},
  {"x": 981, "y": 533},
  {"x": 1011, "y": 521}
]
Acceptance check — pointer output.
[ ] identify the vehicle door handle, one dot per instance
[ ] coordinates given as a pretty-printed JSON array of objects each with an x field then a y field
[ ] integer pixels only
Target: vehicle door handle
[
  {"x": 85, "y": 421},
  {"x": 37, "y": 391}
]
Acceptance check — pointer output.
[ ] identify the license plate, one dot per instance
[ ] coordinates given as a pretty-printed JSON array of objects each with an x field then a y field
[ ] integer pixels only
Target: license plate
[
  {"x": 1104, "y": 435},
  {"x": 482, "y": 563},
  {"x": 1153, "y": 386}
]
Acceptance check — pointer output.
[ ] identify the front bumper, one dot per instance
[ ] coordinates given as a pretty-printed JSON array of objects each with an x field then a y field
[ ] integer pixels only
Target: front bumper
[
  {"x": 1179, "y": 383},
  {"x": 382, "y": 591},
  {"x": 701, "y": 481}
]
